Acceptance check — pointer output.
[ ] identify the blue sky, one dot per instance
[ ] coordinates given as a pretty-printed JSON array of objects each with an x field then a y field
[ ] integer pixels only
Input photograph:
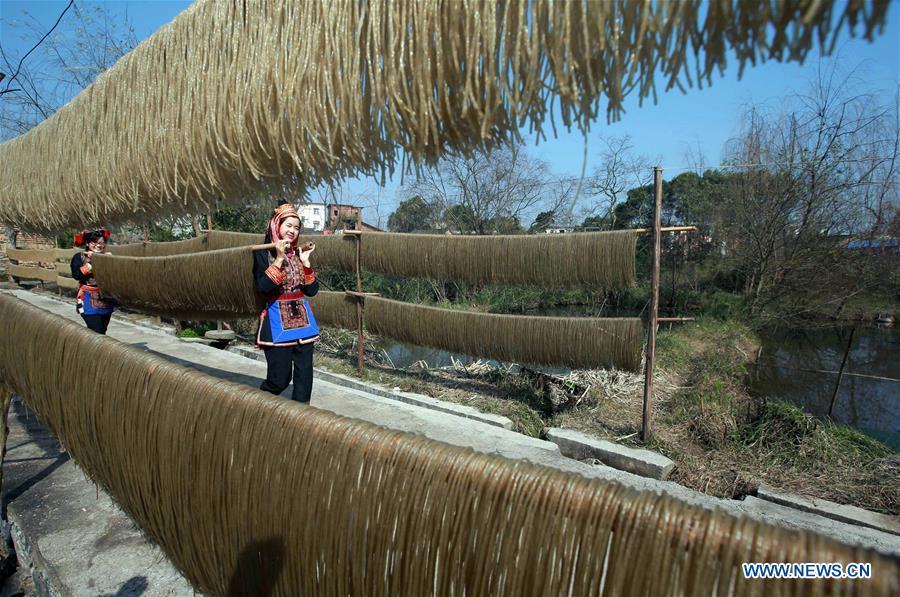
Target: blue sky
[{"x": 703, "y": 119}]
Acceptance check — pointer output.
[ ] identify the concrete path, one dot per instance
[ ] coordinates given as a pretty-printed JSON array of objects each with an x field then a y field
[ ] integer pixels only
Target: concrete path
[{"x": 437, "y": 420}]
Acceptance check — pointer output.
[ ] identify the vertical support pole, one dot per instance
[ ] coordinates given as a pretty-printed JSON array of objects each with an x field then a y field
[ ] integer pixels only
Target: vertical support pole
[
  {"x": 209, "y": 221},
  {"x": 146, "y": 234},
  {"x": 6, "y": 396},
  {"x": 360, "y": 346},
  {"x": 837, "y": 385},
  {"x": 654, "y": 306}
]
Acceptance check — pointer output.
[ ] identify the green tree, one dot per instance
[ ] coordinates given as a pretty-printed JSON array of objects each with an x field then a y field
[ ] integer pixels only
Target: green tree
[
  {"x": 543, "y": 221},
  {"x": 412, "y": 215}
]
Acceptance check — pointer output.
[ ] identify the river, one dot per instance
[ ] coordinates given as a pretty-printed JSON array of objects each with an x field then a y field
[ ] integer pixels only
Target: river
[{"x": 869, "y": 404}]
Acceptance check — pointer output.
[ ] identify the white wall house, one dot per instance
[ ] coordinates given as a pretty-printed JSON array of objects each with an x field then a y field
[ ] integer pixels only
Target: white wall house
[{"x": 313, "y": 216}]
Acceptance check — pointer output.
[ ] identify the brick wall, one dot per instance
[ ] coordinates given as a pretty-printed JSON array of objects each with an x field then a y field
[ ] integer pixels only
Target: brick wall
[{"x": 24, "y": 240}]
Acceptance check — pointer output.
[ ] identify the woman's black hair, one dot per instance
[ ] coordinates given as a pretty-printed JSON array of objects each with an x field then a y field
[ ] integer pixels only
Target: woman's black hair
[{"x": 93, "y": 235}]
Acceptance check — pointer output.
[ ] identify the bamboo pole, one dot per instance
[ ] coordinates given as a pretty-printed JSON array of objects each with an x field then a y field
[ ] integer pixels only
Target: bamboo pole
[
  {"x": 209, "y": 225},
  {"x": 654, "y": 306},
  {"x": 837, "y": 385}
]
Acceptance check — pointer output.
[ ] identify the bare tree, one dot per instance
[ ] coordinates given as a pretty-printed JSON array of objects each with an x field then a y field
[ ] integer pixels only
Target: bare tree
[
  {"x": 619, "y": 171},
  {"x": 817, "y": 172},
  {"x": 89, "y": 40},
  {"x": 489, "y": 192}
]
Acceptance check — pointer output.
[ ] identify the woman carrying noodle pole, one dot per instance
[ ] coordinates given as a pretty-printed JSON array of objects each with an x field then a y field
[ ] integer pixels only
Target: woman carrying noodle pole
[
  {"x": 94, "y": 308},
  {"x": 287, "y": 328}
]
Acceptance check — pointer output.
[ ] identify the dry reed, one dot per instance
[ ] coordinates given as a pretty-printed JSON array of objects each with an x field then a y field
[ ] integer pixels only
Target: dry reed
[
  {"x": 234, "y": 94},
  {"x": 251, "y": 494},
  {"x": 576, "y": 342}
]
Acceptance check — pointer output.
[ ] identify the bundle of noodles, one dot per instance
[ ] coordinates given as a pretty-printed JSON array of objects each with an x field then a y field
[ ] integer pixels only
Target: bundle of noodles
[
  {"x": 177, "y": 247},
  {"x": 211, "y": 285},
  {"x": 597, "y": 259},
  {"x": 576, "y": 342},
  {"x": 330, "y": 89},
  {"x": 249, "y": 494},
  {"x": 336, "y": 253}
]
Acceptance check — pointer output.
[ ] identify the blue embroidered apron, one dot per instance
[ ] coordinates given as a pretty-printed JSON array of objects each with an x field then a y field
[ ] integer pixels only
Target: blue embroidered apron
[
  {"x": 291, "y": 319},
  {"x": 94, "y": 303}
]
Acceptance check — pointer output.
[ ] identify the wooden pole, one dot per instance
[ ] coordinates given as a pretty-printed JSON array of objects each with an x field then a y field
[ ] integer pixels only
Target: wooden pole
[
  {"x": 146, "y": 234},
  {"x": 360, "y": 346},
  {"x": 837, "y": 385},
  {"x": 209, "y": 221},
  {"x": 6, "y": 397},
  {"x": 667, "y": 229},
  {"x": 654, "y": 306}
]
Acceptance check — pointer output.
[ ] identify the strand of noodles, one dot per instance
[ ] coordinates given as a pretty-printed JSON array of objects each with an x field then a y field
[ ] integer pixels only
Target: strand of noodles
[
  {"x": 231, "y": 95},
  {"x": 576, "y": 342},
  {"x": 212, "y": 285},
  {"x": 251, "y": 494}
]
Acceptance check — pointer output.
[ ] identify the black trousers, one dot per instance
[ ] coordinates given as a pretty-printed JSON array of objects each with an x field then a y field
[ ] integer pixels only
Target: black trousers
[
  {"x": 281, "y": 360},
  {"x": 98, "y": 323}
]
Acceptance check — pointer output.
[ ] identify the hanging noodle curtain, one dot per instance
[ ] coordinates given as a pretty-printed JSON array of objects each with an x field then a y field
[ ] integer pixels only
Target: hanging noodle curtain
[
  {"x": 211, "y": 285},
  {"x": 218, "y": 285},
  {"x": 249, "y": 494},
  {"x": 232, "y": 93},
  {"x": 600, "y": 260},
  {"x": 576, "y": 342}
]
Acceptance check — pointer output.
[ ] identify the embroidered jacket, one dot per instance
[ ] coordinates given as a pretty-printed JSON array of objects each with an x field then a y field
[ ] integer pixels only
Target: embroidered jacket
[
  {"x": 272, "y": 282},
  {"x": 81, "y": 271}
]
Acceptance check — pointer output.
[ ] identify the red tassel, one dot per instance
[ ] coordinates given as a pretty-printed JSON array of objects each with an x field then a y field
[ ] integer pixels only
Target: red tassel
[{"x": 79, "y": 239}]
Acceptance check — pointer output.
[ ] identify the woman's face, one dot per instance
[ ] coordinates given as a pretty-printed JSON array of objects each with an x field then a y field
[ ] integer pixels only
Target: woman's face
[
  {"x": 290, "y": 229},
  {"x": 98, "y": 245}
]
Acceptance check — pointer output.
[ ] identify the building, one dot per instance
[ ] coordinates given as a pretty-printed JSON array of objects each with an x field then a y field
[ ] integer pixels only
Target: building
[
  {"x": 313, "y": 215},
  {"x": 345, "y": 217}
]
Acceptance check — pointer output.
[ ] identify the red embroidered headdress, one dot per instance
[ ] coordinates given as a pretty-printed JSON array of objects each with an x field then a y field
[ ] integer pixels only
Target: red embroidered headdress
[{"x": 282, "y": 212}]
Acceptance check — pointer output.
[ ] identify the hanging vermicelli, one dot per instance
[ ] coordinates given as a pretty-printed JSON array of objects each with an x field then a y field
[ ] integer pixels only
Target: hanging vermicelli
[
  {"x": 600, "y": 260},
  {"x": 217, "y": 285},
  {"x": 210, "y": 285},
  {"x": 576, "y": 342},
  {"x": 251, "y": 494},
  {"x": 231, "y": 95},
  {"x": 160, "y": 249}
]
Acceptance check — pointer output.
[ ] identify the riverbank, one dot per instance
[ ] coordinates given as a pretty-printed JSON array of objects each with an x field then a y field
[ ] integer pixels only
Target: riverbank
[{"x": 724, "y": 441}]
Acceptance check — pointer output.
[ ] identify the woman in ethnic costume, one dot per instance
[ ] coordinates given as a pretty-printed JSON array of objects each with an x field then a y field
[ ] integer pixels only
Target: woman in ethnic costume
[
  {"x": 94, "y": 308},
  {"x": 287, "y": 328}
]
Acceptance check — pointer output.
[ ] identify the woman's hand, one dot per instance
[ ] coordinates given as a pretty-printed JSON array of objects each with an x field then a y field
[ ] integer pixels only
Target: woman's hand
[
  {"x": 281, "y": 247},
  {"x": 305, "y": 251},
  {"x": 87, "y": 256}
]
